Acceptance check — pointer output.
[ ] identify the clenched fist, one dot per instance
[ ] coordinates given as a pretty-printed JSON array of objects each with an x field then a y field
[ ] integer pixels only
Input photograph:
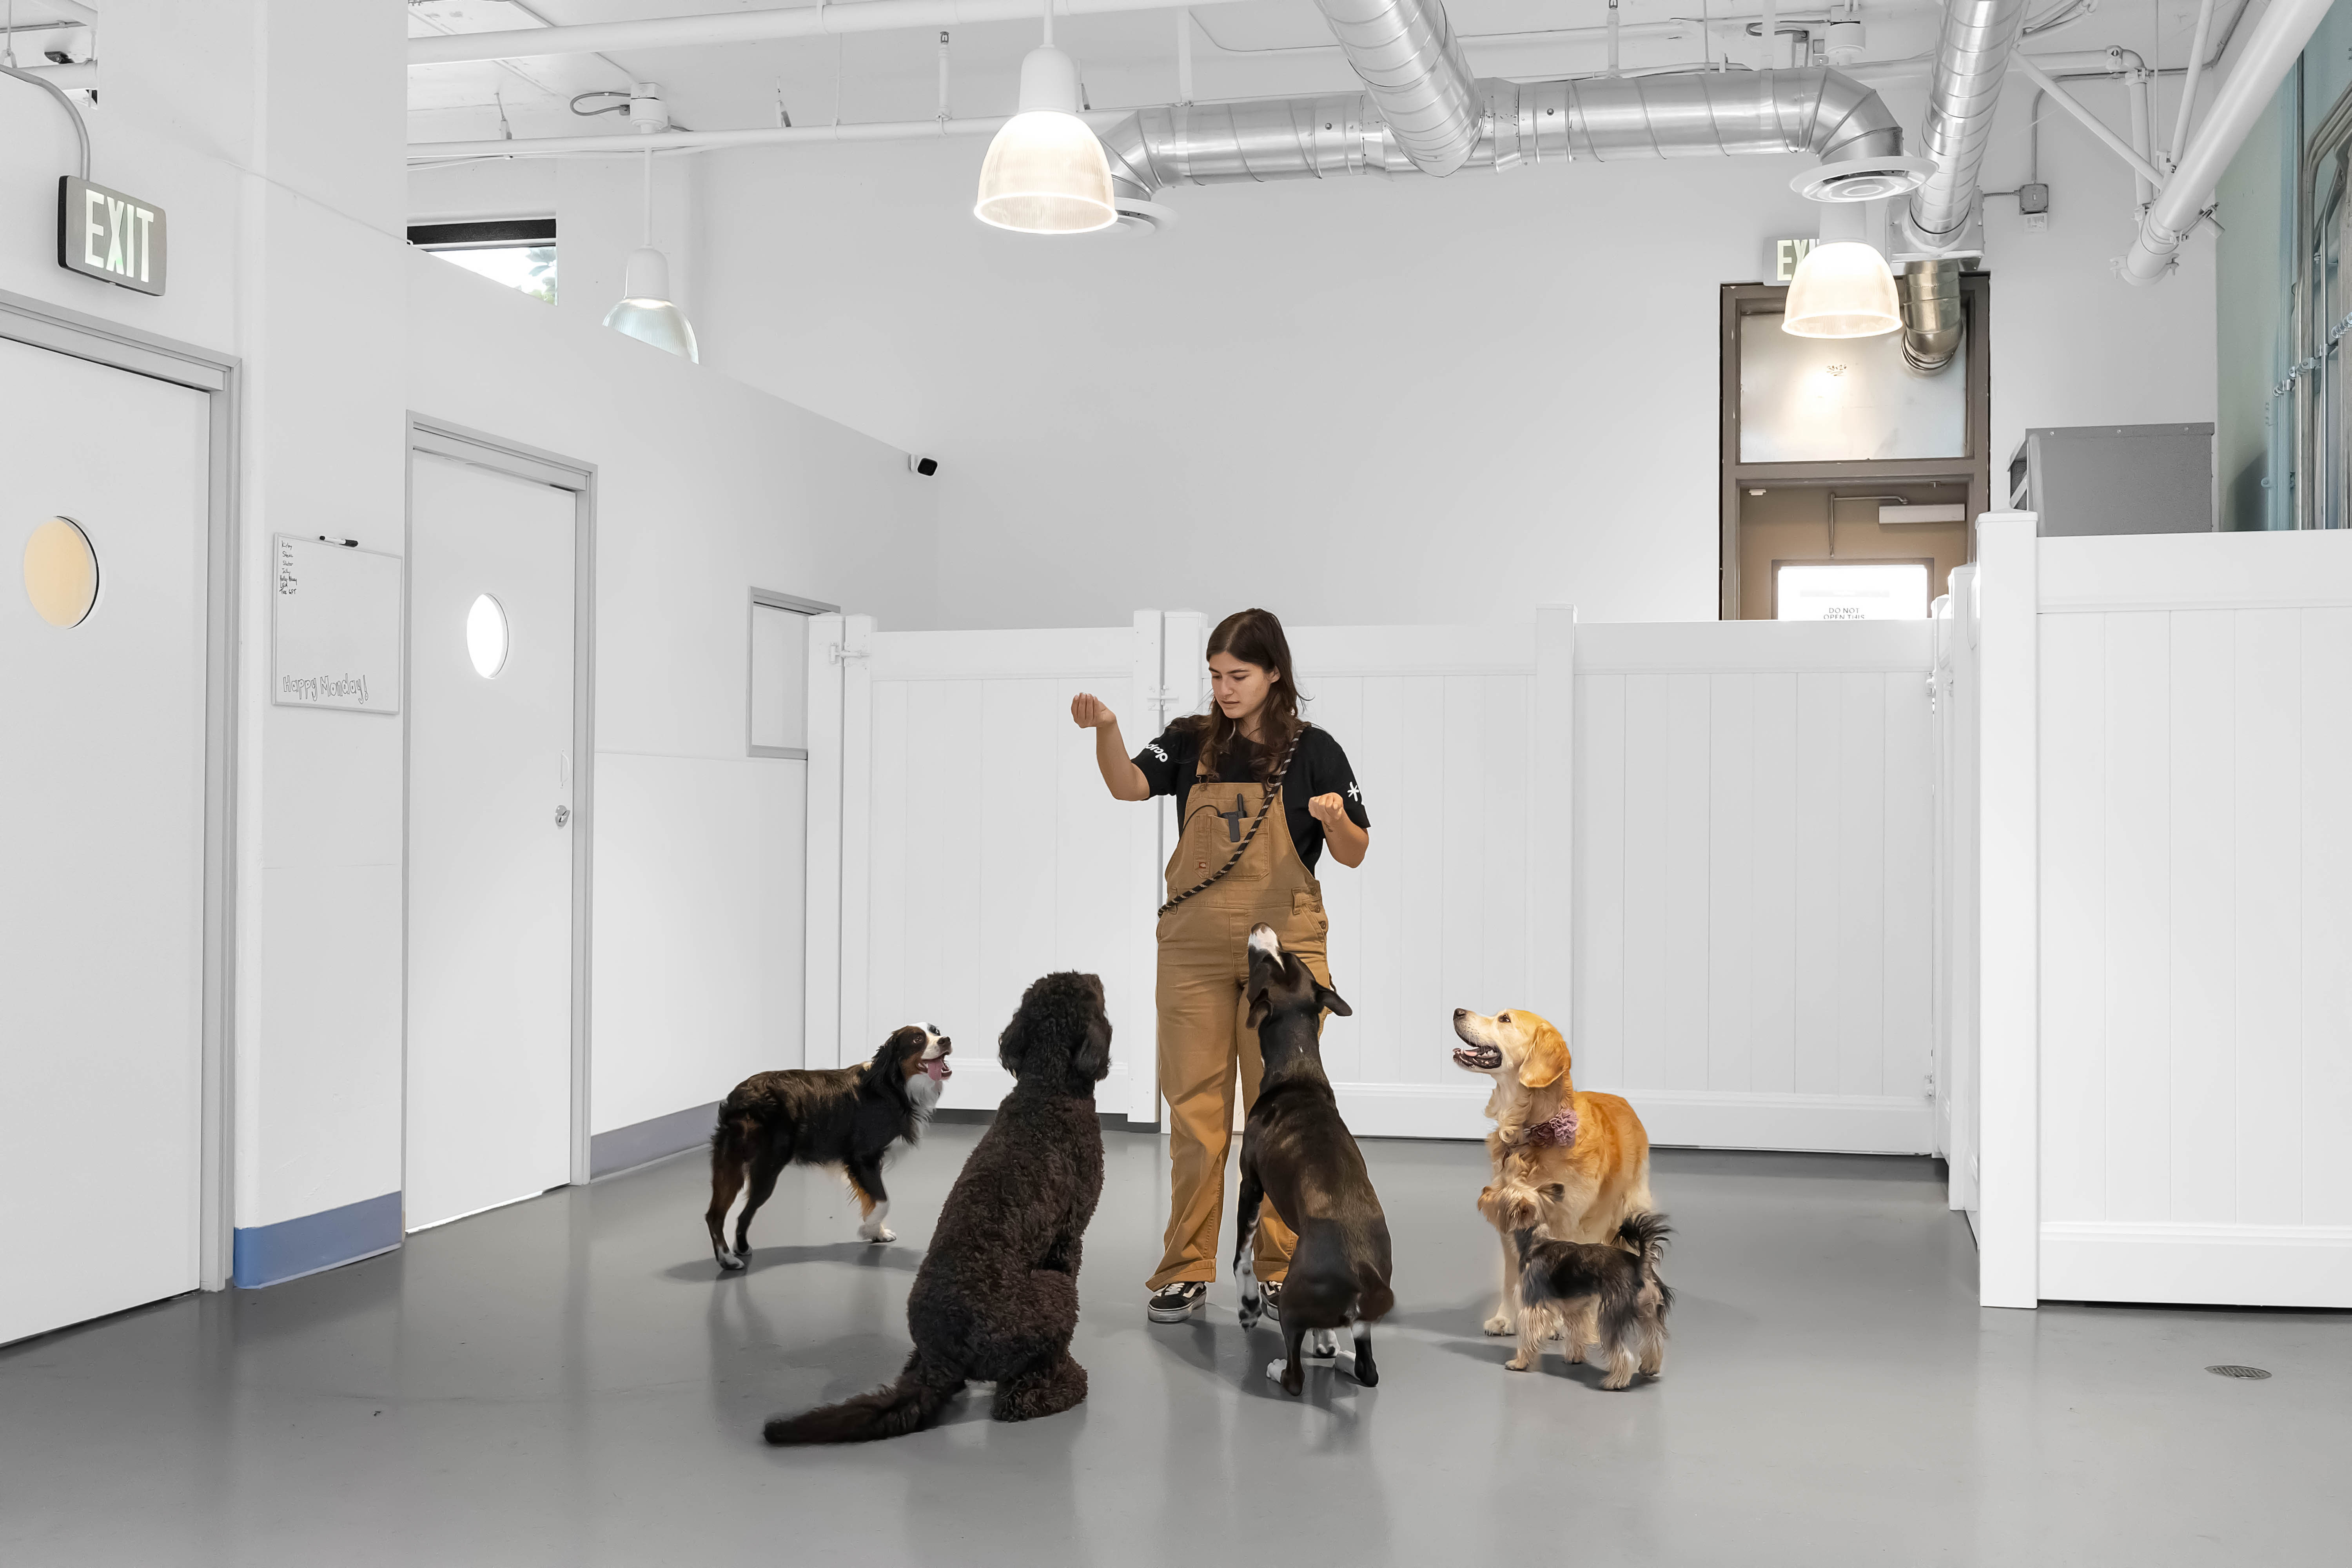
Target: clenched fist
[
  {"x": 1088, "y": 711},
  {"x": 1328, "y": 809}
]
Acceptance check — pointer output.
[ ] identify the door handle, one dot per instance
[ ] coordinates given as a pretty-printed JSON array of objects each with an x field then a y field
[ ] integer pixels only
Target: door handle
[{"x": 562, "y": 814}]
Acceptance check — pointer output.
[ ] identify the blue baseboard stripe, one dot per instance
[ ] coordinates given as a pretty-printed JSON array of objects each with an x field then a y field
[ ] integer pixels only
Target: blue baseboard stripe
[
  {"x": 272, "y": 1254},
  {"x": 652, "y": 1138}
]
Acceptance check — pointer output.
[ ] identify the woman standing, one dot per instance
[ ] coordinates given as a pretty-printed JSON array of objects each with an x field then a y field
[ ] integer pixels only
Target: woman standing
[{"x": 1260, "y": 791}]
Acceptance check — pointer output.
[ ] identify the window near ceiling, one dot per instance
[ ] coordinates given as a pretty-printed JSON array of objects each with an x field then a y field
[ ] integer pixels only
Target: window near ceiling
[{"x": 517, "y": 252}]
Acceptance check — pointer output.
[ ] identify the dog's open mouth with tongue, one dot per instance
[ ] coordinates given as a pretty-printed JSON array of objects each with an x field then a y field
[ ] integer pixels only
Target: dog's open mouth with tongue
[
  {"x": 935, "y": 1067},
  {"x": 1475, "y": 1054}
]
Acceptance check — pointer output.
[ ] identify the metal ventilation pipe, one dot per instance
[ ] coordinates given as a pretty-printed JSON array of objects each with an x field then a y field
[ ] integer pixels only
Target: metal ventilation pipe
[
  {"x": 1680, "y": 114},
  {"x": 1930, "y": 292},
  {"x": 1972, "y": 59},
  {"x": 1415, "y": 74}
]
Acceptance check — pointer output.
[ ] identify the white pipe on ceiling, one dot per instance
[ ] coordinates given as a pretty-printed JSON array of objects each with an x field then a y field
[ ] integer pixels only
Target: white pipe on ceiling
[
  {"x": 2272, "y": 50},
  {"x": 751, "y": 26},
  {"x": 714, "y": 141},
  {"x": 2142, "y": 168}
]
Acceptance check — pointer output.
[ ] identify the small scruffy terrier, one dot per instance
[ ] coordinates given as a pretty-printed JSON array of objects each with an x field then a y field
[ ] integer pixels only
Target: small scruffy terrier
[{"x": 1595, "y": 1293}]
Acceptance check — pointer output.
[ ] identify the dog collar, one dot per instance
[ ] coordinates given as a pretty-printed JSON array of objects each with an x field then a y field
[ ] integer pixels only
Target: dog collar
[{"x": 1559, "y": 1127}]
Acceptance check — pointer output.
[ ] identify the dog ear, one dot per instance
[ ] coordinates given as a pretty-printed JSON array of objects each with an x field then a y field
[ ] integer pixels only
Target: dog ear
[
  {"x": 1260, "y": 1002},
  {"x": 1332, "y": 1002},
  {"x": 1547, "y": 1059},
  {"x": 1090, "y": 1063},
  {"x": 889, "y": 1063}
]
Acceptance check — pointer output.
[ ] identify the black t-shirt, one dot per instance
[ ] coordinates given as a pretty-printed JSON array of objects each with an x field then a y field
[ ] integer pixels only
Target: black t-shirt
[{"x": 1318, "y": 766}]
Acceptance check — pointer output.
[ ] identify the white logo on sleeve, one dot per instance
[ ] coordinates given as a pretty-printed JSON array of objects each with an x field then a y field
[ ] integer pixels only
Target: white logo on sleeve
[
  {"x": 1353, "y": 792},
  {"x": 1153, "y": 747}
]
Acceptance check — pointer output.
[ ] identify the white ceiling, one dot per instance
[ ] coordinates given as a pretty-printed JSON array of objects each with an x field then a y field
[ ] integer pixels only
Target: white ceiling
[{"x": 1129, "y": 58}]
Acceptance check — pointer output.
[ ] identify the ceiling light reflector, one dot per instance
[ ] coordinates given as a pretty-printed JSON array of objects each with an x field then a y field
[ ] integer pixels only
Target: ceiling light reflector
[
  {"x": 1841, "y": 289},
  {"x": 1046, "y": 172}
]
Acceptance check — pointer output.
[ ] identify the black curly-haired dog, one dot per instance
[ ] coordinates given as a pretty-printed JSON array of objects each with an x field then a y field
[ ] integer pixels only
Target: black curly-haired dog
[
  {"x": 1296, "y": 1151},
  {"x": 846, "y": 1117},
  {"x": 996, "y": 1299}
]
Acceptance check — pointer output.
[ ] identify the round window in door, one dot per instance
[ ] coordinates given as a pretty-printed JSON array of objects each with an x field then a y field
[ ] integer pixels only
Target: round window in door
[
  {"x": 485, "y": 636},
  {"x": 61, "y": 573}
]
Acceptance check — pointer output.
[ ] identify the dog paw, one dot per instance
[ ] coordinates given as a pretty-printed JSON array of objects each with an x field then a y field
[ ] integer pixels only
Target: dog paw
[
  {"x": 878, "y": 1235},
  {"x": 1499, "y": 1325},
  {"x": 1248, "y": 1314},
  {"x": 1275, "y": 1369},
  {"x": 728, "y": 1262},
  {"x": 1518, "y": 1364}
]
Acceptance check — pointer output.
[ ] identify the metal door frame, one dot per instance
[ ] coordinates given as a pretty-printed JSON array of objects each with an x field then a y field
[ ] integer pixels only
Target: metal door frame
[
  {"x": 441, "y": 438},
  {"x": 1738, "y": 299},
  {"x": 41, "y": 324}
]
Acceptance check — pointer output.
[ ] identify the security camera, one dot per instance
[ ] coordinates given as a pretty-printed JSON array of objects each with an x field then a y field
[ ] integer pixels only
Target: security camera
[{"x": 926, "y": 467}]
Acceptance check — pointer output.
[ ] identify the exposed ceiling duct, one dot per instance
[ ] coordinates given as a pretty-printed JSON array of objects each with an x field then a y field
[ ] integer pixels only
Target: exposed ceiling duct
[
  {"x": 1415, "y": 75},
  {"x": 1680, "y": 114},
  {"x": 1942, "y": 223},
  {"x": 1972, "y": 62}
]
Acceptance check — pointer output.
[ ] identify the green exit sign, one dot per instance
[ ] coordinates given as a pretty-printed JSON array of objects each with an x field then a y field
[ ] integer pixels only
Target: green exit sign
[
  {"x": 108, "y": 235},
  {"x": 1784, "y": 256}
]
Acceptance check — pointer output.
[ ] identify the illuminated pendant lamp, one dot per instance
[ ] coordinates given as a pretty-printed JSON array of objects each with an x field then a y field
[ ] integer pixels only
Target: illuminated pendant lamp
[
  {"x": 645, "y": 311},
  {"x": 1046, "y": 172},
  {"x": 1841, "y": 289}
]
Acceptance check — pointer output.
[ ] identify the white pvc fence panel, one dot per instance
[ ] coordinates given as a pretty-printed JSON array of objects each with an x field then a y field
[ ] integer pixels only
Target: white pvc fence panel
[
  {"x": 1957, "y": 697},
  {"x": 1440, "y": 724},
  {"x": 978, "y": 848},
  {"x": 2196, "y": 918},
  {"x": 1736, "y": 817},
  {"x": 1753, "y": 853},
  {"x": 2166, "y": 886}
]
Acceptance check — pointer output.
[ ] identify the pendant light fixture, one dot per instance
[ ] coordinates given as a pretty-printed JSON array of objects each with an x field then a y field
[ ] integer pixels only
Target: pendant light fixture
[
  {"x": 645, "y": 311},
  {"x": 1046, "y": 172},
  {"x": 1841, "y": 289}
]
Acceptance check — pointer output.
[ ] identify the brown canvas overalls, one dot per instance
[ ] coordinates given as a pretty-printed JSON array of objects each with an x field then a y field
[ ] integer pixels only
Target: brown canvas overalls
[{"x": 1204, "y": 960}]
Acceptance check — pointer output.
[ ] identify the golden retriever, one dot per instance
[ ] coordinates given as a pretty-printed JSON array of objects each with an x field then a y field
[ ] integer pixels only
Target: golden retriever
[{"x": 1581, "y": 1160}]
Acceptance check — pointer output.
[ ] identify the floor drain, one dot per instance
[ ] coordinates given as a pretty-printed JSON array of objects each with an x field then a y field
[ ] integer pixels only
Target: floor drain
[{"x": 2254, "y": 1373}]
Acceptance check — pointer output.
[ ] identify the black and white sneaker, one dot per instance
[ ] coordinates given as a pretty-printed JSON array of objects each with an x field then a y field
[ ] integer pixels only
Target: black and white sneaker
[
  {"x": 1176, "y": 1303},
  {"x": 1269, "y": 1298}
]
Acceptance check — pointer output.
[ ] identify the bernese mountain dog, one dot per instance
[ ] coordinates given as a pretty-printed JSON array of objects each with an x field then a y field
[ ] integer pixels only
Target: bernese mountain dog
[{"x": 846, "y": 1118}]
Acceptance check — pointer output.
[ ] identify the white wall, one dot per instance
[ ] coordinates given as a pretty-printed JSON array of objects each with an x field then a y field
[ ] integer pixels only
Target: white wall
[
  {"x": 705, "y": 489},
  {"x": 1368, "y": 400},
  {"x": 271, "y": 134}
]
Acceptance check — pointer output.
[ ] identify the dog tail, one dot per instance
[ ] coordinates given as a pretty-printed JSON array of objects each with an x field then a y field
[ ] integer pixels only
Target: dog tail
[
  {"x": 910, "y": 1405},
  {"x": 1644, "y": 1235}
]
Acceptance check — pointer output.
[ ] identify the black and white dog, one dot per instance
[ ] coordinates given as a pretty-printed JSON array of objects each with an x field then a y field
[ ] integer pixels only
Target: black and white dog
[
  {"x": 1296, "y": 1151},
  {"x": 845, "y": 1116}
]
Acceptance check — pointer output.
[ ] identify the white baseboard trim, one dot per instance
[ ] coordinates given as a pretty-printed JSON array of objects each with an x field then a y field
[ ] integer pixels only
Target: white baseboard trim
[
  {"x": 2213, "y": 1265},
  {"x": 982, "y": 1084},
  {"x": 1697, "y": 1118}
]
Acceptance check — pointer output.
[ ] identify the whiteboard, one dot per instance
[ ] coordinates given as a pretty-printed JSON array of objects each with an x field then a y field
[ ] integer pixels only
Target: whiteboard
[{"x": 335, "y": 621}]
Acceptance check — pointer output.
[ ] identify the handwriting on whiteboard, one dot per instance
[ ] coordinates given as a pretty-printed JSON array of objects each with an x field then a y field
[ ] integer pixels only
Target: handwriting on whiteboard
[{"x": 343, "y": 691}]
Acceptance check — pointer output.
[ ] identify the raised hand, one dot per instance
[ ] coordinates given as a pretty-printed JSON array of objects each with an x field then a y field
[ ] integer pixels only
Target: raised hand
[
  {"x": 1328, "y": 809},
  {"x": 1088, "y": 711}
]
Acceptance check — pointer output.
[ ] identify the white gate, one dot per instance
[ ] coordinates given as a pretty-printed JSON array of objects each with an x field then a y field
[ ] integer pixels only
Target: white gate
[
  {"x": 1753, "y": 849},
  {"x": 1735, "y": 819}
]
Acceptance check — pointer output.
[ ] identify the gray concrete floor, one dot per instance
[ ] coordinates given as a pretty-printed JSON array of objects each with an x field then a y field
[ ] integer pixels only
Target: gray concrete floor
[{"x": 567, "y": 1381}]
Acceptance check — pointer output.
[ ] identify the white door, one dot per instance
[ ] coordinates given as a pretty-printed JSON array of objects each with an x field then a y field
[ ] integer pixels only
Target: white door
[
  {"x": 489, "y": 840},
  {"x": 101, "y": 841}
]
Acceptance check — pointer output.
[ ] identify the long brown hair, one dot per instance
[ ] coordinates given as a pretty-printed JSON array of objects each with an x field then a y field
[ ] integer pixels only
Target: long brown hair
[{"x": 1254, "y": 636}]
